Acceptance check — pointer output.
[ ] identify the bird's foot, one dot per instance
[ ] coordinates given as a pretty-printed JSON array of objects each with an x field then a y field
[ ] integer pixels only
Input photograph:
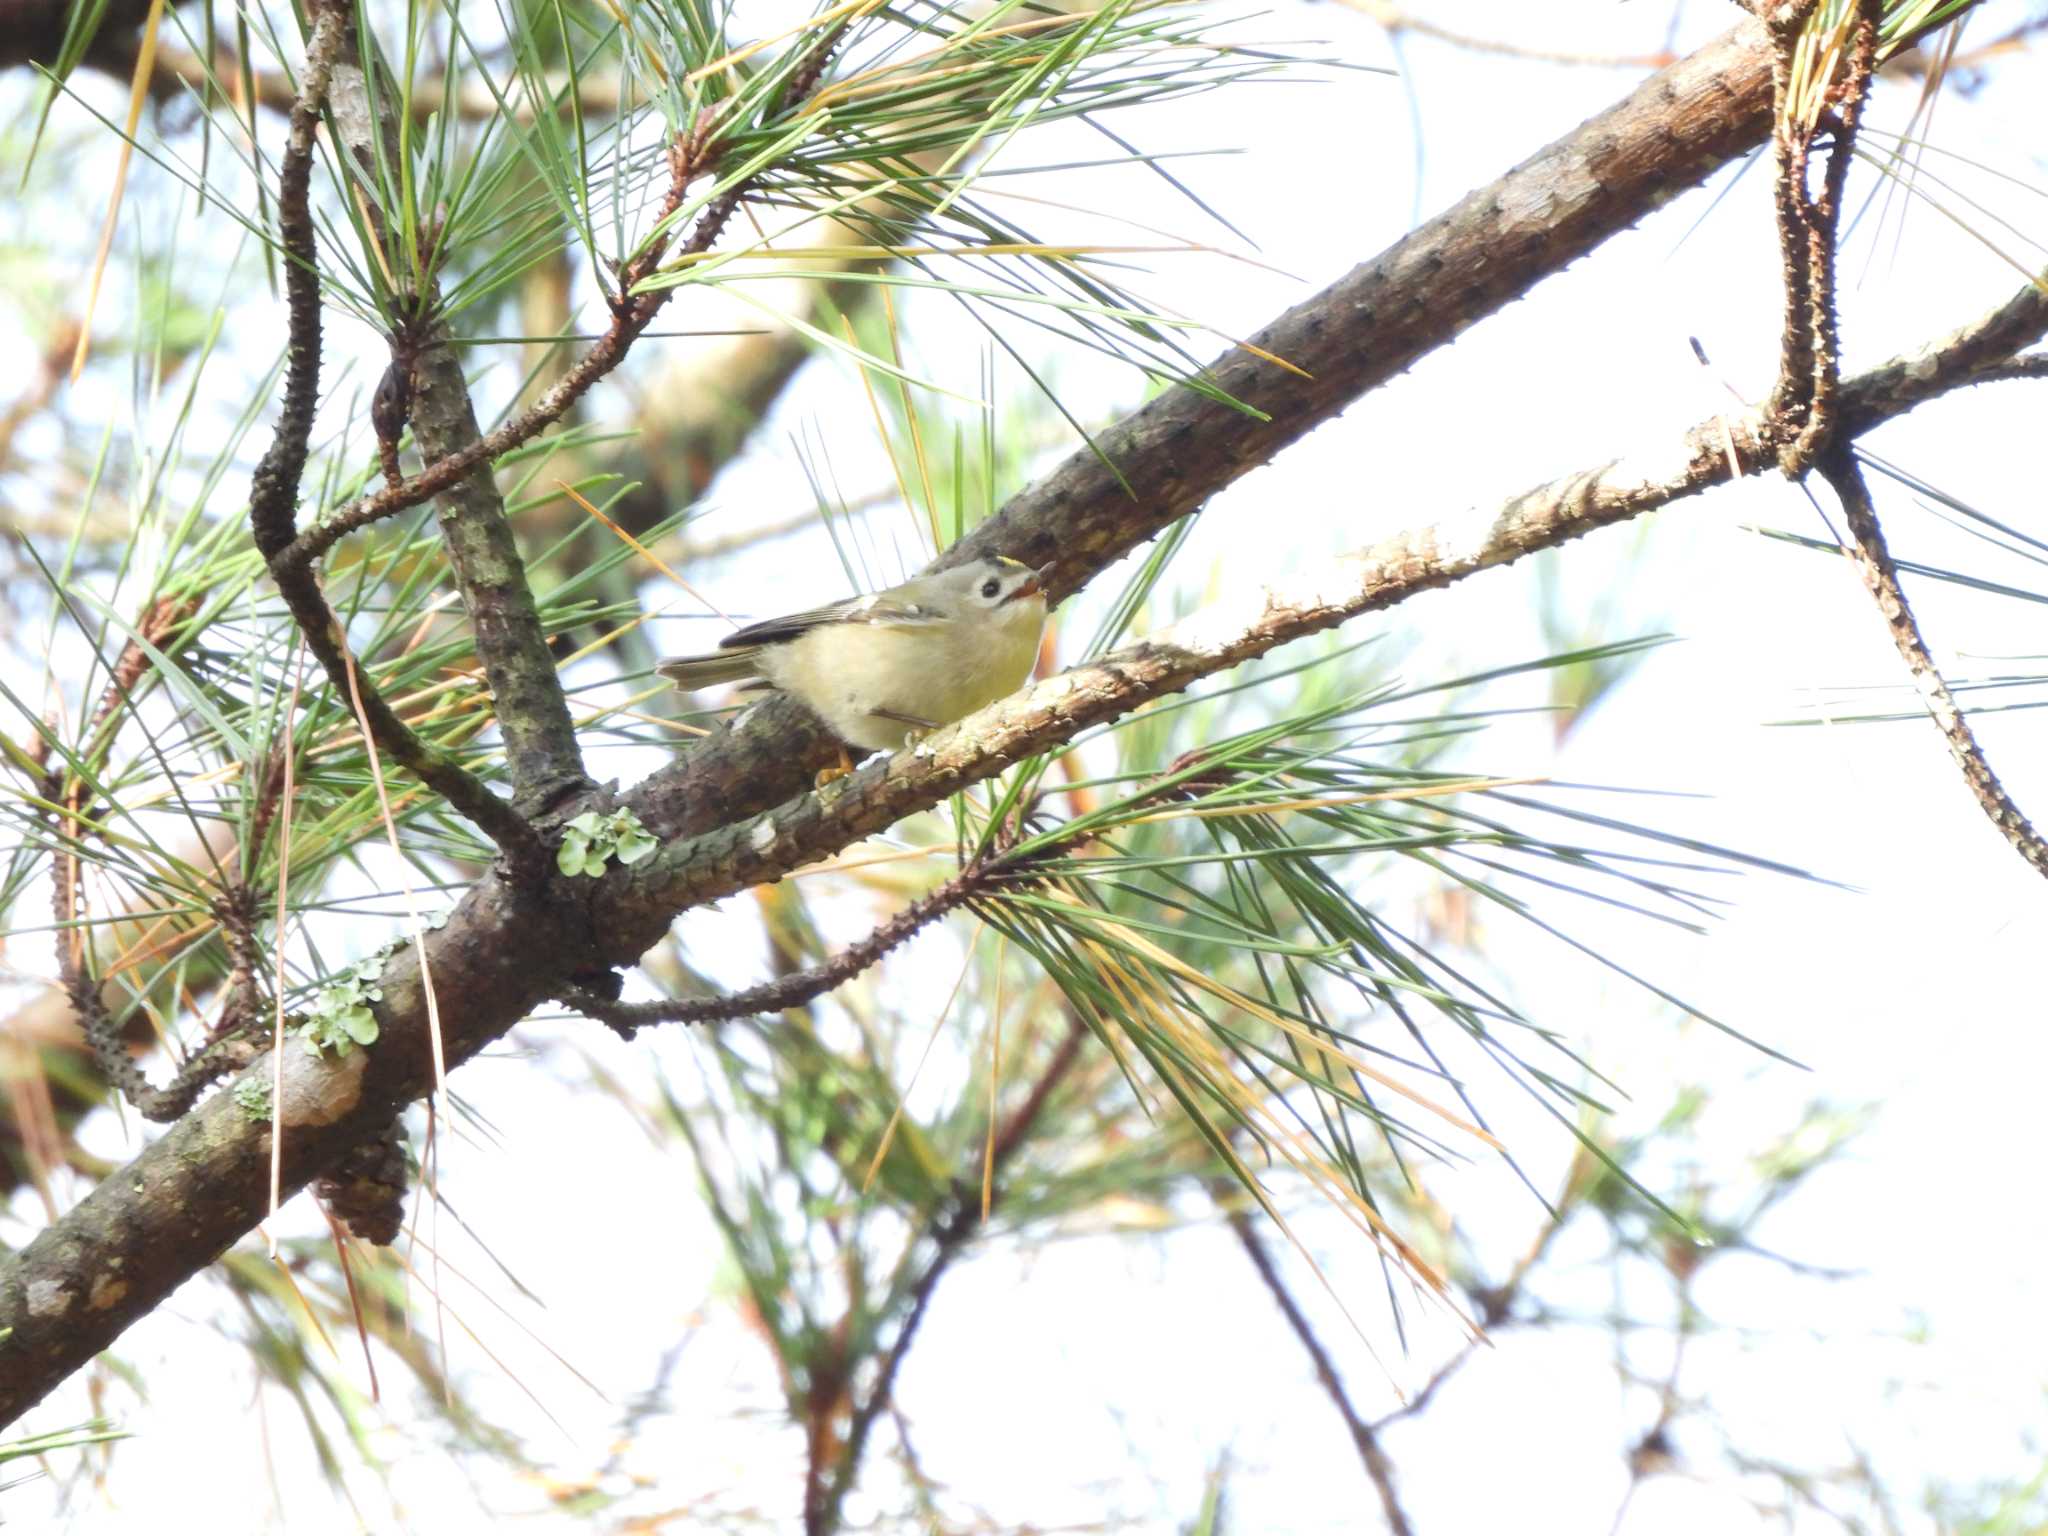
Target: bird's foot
[{"x": 833, "y": 772}]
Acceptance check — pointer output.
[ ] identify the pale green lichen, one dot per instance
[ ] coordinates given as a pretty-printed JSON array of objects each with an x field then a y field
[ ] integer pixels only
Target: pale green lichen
[
  {"x": 343, "y": 1015},
  {"x": 252, "y": 1097},
  {"x": 592, "y": 839}
]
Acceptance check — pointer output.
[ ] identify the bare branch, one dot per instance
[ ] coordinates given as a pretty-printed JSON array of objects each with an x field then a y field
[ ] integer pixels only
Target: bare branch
[
  {"x": 1370, "y": 1451},
  {"x": 1873, "y": 561},
  {"x": 1394, "y": 21},
  {"x": 798, "y": 987}
]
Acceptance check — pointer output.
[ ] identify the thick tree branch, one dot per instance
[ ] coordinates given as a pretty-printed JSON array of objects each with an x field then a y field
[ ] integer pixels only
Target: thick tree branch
[
  {"x": 1250, "y": 622},
  {"x": 185, "y": 1198},
  {"x": 204, "y": 1184}
]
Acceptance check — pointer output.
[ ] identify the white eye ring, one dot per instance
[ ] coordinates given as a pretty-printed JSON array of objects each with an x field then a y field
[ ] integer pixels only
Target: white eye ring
[{"x": 991, "y": 587}]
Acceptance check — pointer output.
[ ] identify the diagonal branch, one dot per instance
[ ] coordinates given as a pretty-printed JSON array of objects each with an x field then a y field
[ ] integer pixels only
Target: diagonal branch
[
  {"x": 1873, "y": 560},
  {"x": 693, "y": 870},
  {"x": 1370, "y": 1452}
]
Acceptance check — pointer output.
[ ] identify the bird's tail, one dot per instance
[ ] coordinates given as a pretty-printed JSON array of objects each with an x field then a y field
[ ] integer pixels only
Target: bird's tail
[{"x": 739, "y": 663}]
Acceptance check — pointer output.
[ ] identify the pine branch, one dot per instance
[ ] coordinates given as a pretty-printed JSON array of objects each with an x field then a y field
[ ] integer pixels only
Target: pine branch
[
  {"x": 541, "y": 751},
  {"x": 1873, "y": 561},
  {"x": 693, "y": 154},
  {"x": 1248, "y": 623}
]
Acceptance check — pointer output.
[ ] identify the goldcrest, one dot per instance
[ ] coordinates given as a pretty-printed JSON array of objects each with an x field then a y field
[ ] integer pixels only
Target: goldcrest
[{"x": 880, "y": 667}]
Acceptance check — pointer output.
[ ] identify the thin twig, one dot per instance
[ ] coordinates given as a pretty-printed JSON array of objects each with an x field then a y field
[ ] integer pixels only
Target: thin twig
[
  {"x": 1394, "y": 20},
  {"x": 1881, "y": 576},
  {"x": 1370, "y": 1451},
  {"x": 798, "y": 987}
]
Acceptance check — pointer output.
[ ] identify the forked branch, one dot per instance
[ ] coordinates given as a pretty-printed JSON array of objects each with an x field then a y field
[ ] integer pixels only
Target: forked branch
[{"x": 1804, "y": 419}]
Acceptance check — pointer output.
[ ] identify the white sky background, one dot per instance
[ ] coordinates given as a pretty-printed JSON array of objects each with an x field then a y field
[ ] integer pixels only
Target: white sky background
[{"x": 1102, "y": 1372}]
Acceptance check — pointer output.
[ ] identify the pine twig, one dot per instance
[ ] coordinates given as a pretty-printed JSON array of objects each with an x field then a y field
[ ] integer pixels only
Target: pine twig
[
  {"x": 1873, "y": 560},
  {"x": 798, "y": 987},
  {"x": 1363, "y": 1435},
  {"x": 1804, "y": 401}
]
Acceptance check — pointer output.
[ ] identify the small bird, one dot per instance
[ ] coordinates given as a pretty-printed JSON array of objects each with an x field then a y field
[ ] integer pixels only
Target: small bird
[{"x": 880, "y": 667}]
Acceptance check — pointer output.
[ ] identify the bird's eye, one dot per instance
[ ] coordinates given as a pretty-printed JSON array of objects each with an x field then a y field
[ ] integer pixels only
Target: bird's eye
[{"x": 991, "y": 587}]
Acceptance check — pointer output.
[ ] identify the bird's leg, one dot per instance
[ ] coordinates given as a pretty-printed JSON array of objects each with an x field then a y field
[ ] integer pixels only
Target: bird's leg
[{"x": 833, "y": 772}]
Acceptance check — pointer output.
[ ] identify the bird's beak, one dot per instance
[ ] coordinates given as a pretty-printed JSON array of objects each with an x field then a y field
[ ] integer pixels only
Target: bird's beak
[{"x": 1035, "y": 584}]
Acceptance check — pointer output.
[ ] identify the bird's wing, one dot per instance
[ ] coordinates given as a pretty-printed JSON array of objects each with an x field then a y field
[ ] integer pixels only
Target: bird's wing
[{"x": 872, "y": 609}]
